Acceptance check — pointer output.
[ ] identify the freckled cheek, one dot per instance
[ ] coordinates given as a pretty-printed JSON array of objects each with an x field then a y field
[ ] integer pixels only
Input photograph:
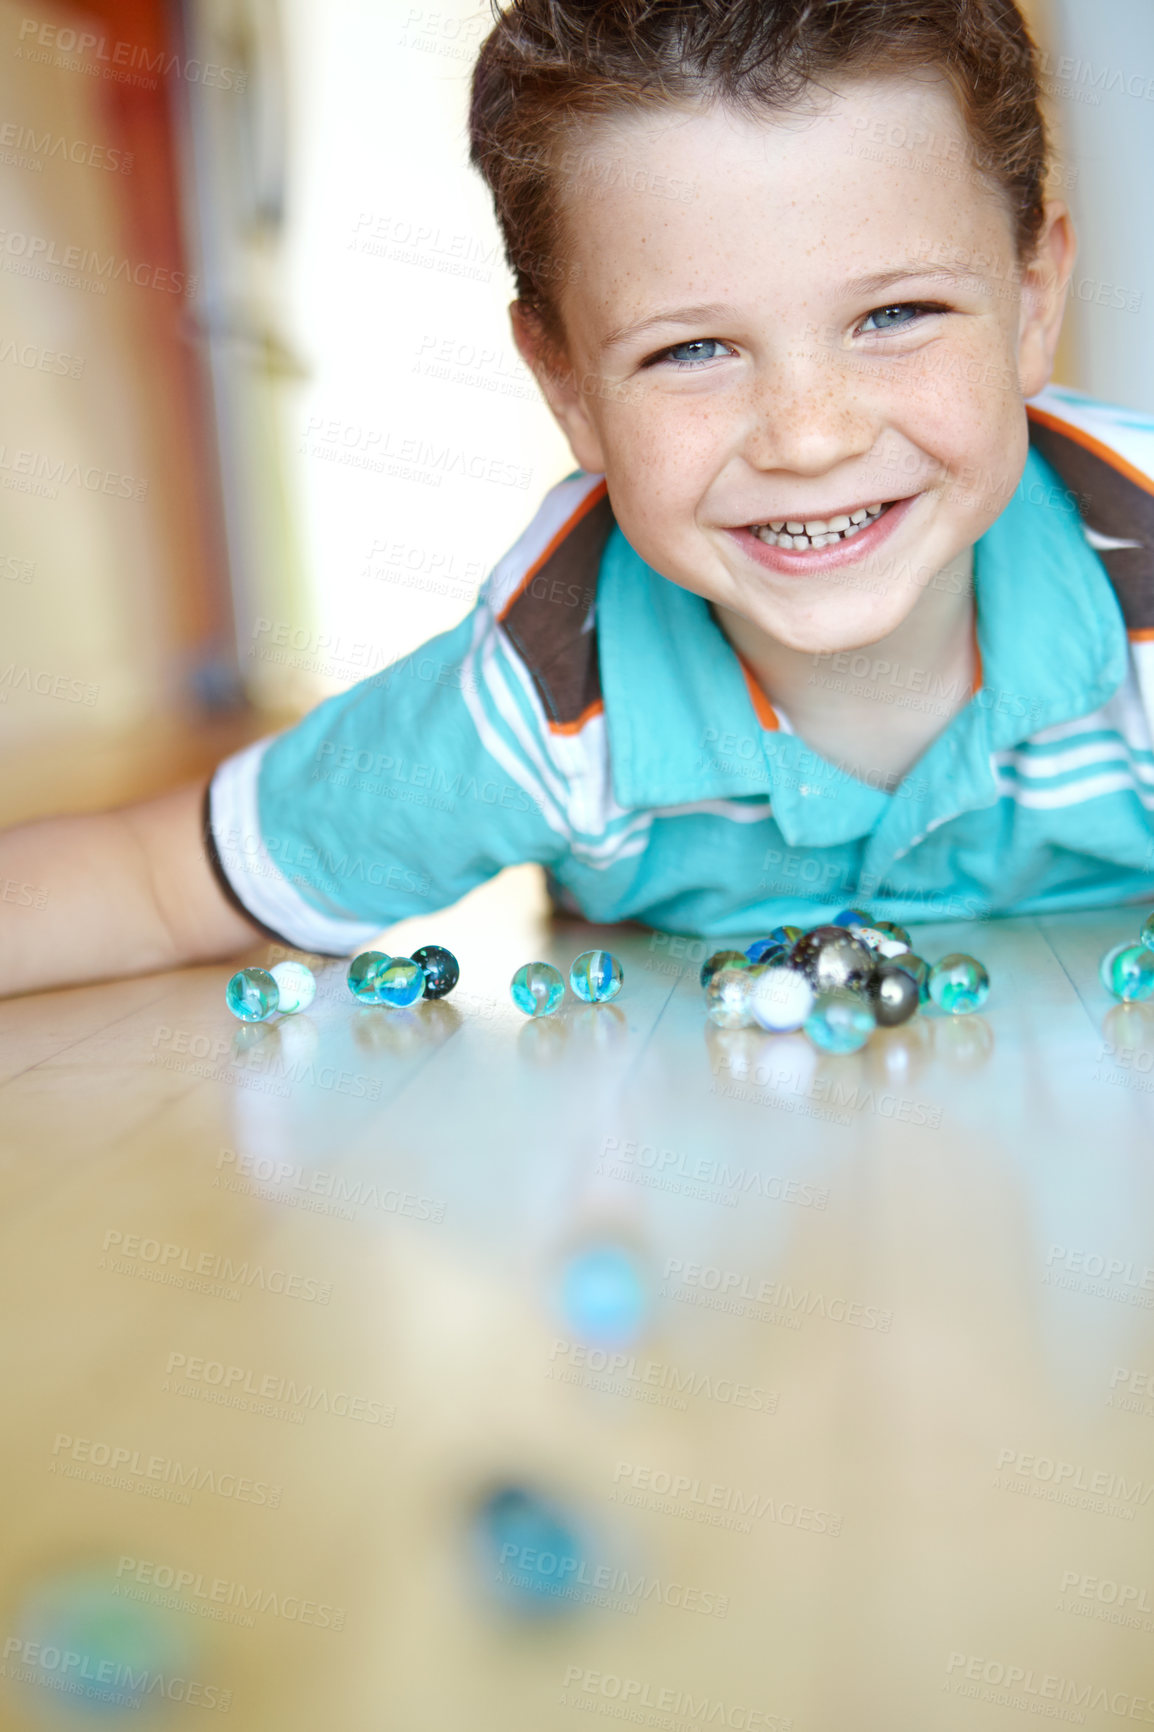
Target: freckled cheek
[
  {"x": 960, "y": 427},
  {"x": 670, "y": 458}
]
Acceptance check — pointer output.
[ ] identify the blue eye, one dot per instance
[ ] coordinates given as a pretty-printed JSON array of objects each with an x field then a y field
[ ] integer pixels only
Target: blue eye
[
  {"x": 693, "y": 349},
  {"x": 913, "y": 310}
]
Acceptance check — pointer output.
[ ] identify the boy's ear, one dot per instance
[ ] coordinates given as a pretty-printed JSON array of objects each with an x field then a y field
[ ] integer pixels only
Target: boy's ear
[
  {"x": 559, "y": 385},
  {"x": 1045, "y": 281}
]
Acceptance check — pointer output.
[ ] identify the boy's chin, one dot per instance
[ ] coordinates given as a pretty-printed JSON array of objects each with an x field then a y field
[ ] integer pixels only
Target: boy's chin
[{"x": 836, "y": 634}]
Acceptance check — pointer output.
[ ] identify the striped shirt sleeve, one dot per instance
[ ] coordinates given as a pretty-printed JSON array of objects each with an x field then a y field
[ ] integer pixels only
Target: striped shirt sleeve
[{"x": 398, "y": 796}]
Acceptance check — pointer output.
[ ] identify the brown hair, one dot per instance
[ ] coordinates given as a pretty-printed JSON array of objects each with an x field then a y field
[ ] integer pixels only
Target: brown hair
[{"x": 550, "y": 67}]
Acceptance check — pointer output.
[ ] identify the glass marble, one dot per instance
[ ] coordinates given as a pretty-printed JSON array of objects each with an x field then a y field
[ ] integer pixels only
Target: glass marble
[
  {"x": 851, "y": 917},
  {"x": 537, "y": 988},
  {"x": 831, "y": 957},
  {"x": 919, "y": 968},
  {"x": 894, "y": 931},
  {"x": 893, "y": 994},
  {"x": 1127, "y": 972},
  {"x": 722, "y": 959},
  {"x": 297, "y": 985},
  {"x": 821, "y": 934},
  {"x": 780, "y": 999},
  {"x": 766, "y": 950},
  {"x": 364, "y": 975},
  {"x": 596, "y": 976},
  {"x": 252, "y": 995},
  {"x": 960, "y": 984},
  {"x": 878, "y": 941},
  {"x": 441, "y": 969},
  {"x": 1147, "y": 933},
  {"x": 114, "y": 1649},
  {"x": 400, "y": 982},
  {"x": 529, "y": 1549},
  {"x": 786, "y": 934},
  {"x": 604, "y": 1295},
  {"x": 727, "y": 997},
  {"x": 840, "y": 1021}
]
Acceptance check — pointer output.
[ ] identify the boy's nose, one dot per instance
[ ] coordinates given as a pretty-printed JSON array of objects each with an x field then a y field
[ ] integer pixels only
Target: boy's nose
[{"x": 807, "y": 415}]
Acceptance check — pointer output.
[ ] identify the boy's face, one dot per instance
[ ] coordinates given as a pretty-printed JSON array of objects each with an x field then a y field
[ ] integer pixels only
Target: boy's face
[{"x": 768, "y": 386}]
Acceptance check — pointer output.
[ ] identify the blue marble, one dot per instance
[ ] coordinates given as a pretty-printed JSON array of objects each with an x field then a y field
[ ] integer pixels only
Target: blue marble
[
  {"x": 596, "y": 976},
  {"x": 530, "y": 1550},
  {"x": 400, "y": 982},
  {"x": 851, "y": 917},
  {"x": 960, "y": 984},
  {"x": 603, "y": 1296},
  {"x": 537, "y": 988},
  {"x": 1127, "y": 972},
  {"x": 767, "y": 950},
  {"x": 365, "y": 973},
  {"x": 840, "y": 1021},
  {"x": 787, "y": 935},
  {"x": 252, "y": 995}
]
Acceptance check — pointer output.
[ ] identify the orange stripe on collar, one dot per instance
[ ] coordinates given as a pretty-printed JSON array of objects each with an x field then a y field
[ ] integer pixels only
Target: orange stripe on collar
[
  {"x": 763, "y": 709},
  {"x": 592, "y": 498},
  {"x": 595, "y": 709},
  {"x": 1081, "y": 437}
]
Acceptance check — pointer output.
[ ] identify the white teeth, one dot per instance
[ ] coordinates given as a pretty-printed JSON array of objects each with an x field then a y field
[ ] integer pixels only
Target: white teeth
[{"x": 816, "y": 533}]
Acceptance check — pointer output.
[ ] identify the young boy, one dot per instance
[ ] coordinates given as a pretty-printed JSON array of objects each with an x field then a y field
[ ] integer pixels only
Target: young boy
[{"x": 825, "y": 614}]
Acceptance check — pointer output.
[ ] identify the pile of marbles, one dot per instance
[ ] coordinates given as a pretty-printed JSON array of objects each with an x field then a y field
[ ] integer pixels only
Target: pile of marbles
[
  {"x": 1127, "y": 971},
  {"x": 256, "y": 994},
  {"x": 398, "y": 981},
  {"x": 837, "y": 983},
  {"x": 538, "y": 988}
]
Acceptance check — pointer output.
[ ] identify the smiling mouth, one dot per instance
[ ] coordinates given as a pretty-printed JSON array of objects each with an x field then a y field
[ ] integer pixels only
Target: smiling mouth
[{"x": 816, "y": 531}]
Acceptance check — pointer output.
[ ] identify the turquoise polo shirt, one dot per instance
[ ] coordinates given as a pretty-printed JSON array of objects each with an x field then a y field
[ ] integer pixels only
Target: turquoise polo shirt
[{"x": 591, "y": 715}]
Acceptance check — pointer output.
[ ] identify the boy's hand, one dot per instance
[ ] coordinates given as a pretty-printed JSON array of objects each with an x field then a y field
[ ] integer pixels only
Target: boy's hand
[{"x": 113, "y": 893}]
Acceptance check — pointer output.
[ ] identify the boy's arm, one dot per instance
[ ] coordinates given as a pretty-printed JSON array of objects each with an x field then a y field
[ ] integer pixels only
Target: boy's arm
[{"x": 112, "y": 893}]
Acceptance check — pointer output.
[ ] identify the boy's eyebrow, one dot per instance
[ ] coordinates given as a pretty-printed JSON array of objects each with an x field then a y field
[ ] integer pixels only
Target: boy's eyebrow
[
  {"x": 866, "y": 285},
  {"x": 878, "y": 280},
  {"x": 667, "y": 316}
]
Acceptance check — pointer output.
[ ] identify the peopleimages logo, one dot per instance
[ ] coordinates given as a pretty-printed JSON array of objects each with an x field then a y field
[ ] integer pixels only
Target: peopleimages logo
[
  {"x": 218, "y": 1266},
  {"x": 585, "y": 1687},
  {"x": 108, "y": 1683},
  {"x": 125, "y": 62},
  {"x": 217, "y": 1595},
  {"x": 1099, "y": 1490},
  {"x": 628, "y": 1373},
  {"x": 1023, "y": 1687},
  {"x": 40, "y": 251}
]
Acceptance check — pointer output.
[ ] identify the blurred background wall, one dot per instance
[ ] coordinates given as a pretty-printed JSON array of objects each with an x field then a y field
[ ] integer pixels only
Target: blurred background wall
[{"x": 263, "y": 425}]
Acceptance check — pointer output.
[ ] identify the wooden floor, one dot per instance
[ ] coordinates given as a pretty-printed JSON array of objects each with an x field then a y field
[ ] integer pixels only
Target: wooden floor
[{"x": 284, "y": 1302}]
